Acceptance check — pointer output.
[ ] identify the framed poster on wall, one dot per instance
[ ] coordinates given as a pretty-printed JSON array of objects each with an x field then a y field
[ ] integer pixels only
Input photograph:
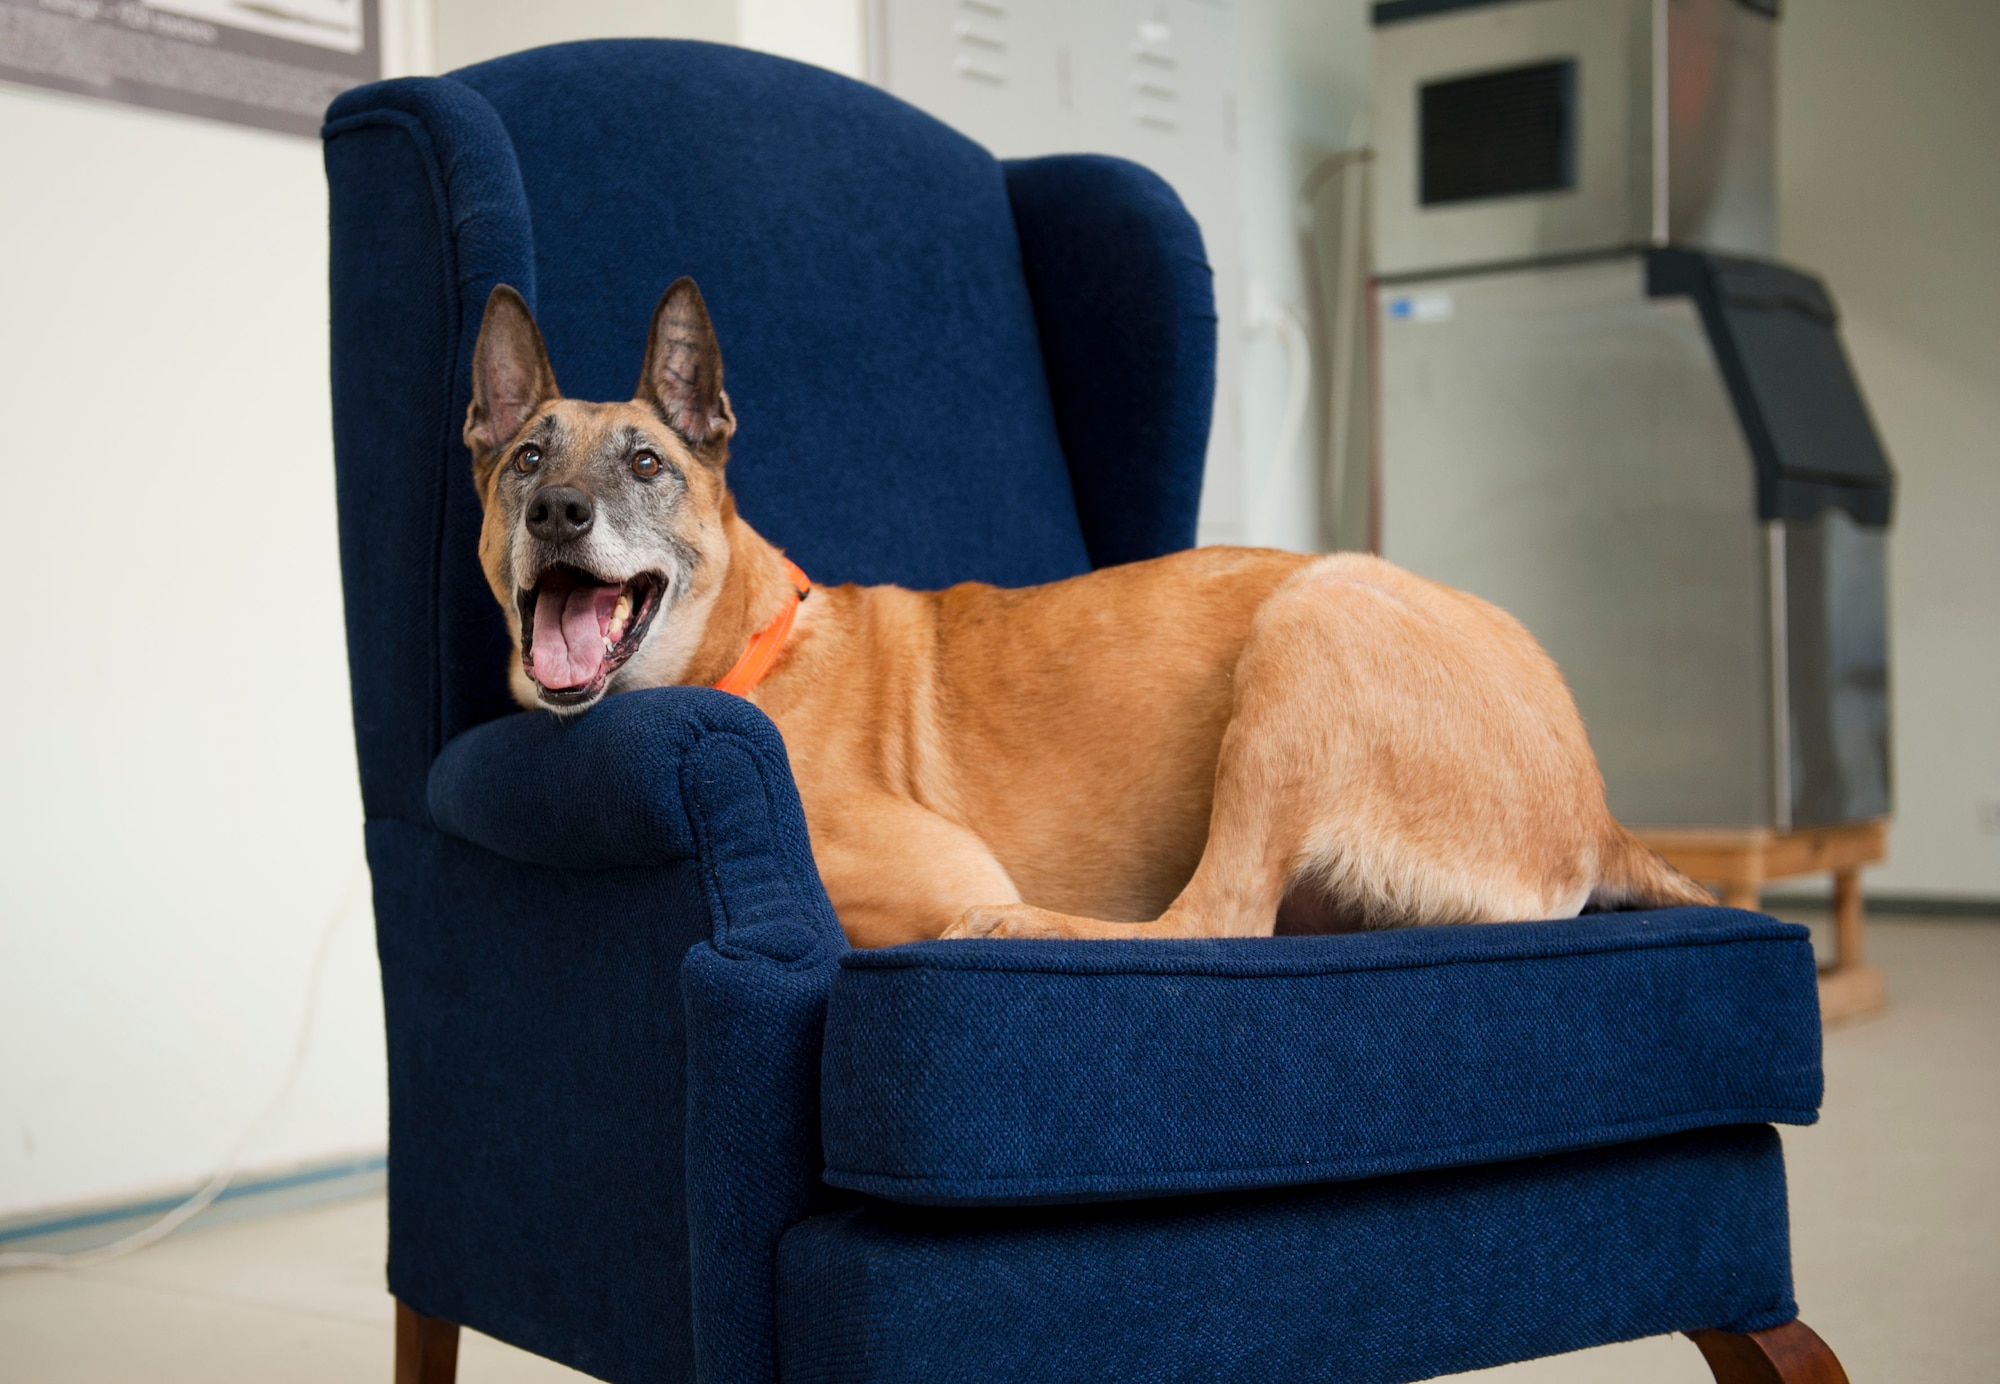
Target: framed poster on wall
[{"x": 270, "y": 63}]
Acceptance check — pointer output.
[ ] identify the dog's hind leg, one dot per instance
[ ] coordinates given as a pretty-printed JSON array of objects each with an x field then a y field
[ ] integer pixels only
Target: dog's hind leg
[{"x": 1397, "y": 753}]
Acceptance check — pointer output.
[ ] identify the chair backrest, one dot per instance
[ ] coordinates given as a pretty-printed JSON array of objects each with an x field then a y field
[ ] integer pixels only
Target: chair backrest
[
  {"x": 862, "y": 268},
  {"x": 860, "y": 260}
]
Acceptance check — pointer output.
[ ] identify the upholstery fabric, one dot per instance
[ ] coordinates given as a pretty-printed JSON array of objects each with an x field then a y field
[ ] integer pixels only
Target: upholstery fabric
[
  {"x": 538, "y": 1098},
  {"x": 863, "y": 266},
  {"x": 629, "y": 897},
  {"x": 606, "y": 984},
  {"x": 606, "y": 954},
  {"x": 1002, "y": 1071},
  {"x": 1127, "y": 310},
  {"x": 1369, "y": 1282},
  {"x": 426, "y": 216}
]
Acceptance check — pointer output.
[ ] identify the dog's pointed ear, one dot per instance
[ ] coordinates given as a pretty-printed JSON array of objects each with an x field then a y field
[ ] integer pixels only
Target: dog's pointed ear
[
  {"x": 511, "y": 377},
  {"x": 682, "y": 378}
]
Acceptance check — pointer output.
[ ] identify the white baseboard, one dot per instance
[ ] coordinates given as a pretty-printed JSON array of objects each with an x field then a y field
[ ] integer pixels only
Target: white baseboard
[{"x": 265, "y": 1192}]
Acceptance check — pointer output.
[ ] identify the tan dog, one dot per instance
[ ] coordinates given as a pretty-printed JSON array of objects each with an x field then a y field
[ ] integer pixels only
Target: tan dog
[{"x": 1207, "y": 744}]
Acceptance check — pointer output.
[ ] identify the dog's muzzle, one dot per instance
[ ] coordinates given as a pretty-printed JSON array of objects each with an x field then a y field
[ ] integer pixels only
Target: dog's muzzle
[{"x": 578, "y": 629}]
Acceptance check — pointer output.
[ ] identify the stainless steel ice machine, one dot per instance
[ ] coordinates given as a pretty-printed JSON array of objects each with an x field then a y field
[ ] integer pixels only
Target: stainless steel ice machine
[{"x": 1607, "y": 409}]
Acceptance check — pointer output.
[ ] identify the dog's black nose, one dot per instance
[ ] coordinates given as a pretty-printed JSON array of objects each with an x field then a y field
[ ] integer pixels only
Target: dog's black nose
[{"x": 560, "y": 514}]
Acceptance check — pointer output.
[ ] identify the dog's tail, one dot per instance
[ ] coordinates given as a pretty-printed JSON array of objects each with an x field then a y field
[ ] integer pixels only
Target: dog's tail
[{"x": 1632, "y": 876}]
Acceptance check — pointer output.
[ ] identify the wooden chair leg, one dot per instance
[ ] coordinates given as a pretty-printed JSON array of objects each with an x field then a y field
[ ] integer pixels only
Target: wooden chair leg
[
  {"x": 1788, "y": 1354},
  {"x": 426, "y": 1348}
]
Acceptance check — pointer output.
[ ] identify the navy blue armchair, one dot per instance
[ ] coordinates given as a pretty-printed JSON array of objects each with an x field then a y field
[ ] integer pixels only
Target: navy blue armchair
[{"x": 651, "y": 1117}]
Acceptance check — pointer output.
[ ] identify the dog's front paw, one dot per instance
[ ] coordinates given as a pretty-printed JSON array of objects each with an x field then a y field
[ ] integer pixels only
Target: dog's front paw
[{"x": 1005, "y": 920}]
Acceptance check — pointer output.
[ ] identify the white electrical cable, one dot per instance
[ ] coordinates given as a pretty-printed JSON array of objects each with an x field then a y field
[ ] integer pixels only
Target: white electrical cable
[
  {"x": 232, "y": 1160},
  {"x": 1267, "y": 313}
]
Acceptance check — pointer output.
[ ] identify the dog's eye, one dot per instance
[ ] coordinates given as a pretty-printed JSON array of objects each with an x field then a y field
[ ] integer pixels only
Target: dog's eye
[
  {"x": 527, "y": 459},
  {"x": 645, "y": 465}
]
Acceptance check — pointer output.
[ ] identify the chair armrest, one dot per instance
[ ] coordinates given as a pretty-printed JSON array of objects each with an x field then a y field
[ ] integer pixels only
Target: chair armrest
[
  {"x": 1126, "y": 307},
  {"x": 647, "y": 779},
  {"x": 606, "y": 972}
]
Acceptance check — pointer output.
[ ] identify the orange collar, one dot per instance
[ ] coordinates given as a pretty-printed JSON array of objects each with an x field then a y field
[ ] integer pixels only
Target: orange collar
[{"x": 767, "y": 643}]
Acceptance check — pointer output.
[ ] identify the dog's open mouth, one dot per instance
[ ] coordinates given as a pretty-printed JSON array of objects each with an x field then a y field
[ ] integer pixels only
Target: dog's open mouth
[{"x": 577, "y": 630}]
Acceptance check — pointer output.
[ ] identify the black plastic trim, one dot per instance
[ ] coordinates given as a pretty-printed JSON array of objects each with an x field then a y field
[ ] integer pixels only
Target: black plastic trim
[
  {"x": 1396, "y": 11},
  {"x": 1733, "y": 295}
]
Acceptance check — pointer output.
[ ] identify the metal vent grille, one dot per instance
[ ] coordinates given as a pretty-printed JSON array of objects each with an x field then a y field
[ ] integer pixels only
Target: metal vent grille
[{"x": 1498, "y": 134}]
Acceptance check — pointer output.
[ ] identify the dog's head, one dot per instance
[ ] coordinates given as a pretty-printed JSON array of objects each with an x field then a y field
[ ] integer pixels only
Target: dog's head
[{"x": 604, "y": 536}]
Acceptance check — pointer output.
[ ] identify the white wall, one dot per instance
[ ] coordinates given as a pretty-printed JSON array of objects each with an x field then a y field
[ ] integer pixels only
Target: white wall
[
  {"x": 1303, "y": 94},
  {"x": 1889, "y": 185},
  {"x": 179, "y": 799},
  {"x": 829, "y": 33},
  {"x": 471, "y": 31},
  {"x": 177, "y": 795},
  {"x": 177, "y": 784},
  {"x": 177, "y": 791}
]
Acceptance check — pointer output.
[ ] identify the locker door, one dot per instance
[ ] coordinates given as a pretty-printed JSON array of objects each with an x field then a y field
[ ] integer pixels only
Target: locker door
[
  {"x": 992, "y": 69},
  {"x": 1155, "y": 82}
]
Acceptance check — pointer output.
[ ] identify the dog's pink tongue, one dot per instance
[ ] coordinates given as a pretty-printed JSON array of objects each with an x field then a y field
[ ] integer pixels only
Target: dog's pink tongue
[{"x": 569, "y": 635}]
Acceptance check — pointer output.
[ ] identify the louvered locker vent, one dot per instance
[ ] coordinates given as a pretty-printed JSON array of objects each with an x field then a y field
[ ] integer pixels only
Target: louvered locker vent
[
  {"x": 1498, "y": 134},
  {"x": 979, "y": 42}
]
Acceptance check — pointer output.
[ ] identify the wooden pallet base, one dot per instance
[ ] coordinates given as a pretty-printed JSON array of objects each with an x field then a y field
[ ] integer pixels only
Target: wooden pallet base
[
  {"x": 1850, "y": 992},
  {"x": 1739, "y": 863}
]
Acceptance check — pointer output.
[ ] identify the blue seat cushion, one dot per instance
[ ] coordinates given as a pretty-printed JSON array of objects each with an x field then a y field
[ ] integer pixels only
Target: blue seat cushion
[
  {"x": 985, "y": 1072},
  {"x": 1348, "y": 1283}
]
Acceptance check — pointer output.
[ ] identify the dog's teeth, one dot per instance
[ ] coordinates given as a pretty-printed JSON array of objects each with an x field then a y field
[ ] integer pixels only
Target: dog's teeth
[
  {"x": 609, "y": 645},
  {"x": 615, "y": 630}
]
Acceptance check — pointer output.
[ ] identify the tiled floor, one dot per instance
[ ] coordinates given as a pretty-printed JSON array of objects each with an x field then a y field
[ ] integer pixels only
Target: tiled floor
[
  {"x": 1895, "y": 1192},
  {"x": 295, "y": 1298},
  {"x": 1895, "y": 1204}
]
